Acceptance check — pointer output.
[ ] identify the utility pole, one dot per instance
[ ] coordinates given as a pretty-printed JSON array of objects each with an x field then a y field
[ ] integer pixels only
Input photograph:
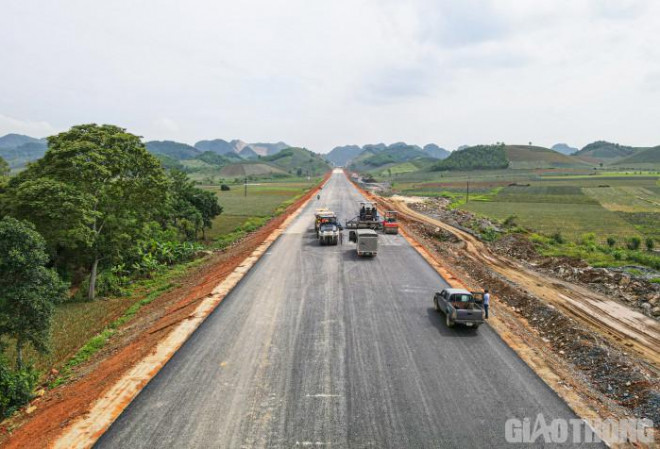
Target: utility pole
[
  {"x": 467, "y": 192},
  {"x": 245, "y": 184}
]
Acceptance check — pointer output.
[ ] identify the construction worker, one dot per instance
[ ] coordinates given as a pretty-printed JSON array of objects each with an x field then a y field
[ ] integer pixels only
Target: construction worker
[{"x": 486, "y": 302}]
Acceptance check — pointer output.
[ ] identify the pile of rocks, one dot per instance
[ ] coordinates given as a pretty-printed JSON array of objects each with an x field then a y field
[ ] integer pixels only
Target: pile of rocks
[{"x": 617, "y": 284}]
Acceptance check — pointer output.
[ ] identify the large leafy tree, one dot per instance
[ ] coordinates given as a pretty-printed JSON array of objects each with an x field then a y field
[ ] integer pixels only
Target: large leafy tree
[
  {"x": 28, "y": 290},
  {"x": 192, "y": 209},
  {"x": 91, "y": 194}
]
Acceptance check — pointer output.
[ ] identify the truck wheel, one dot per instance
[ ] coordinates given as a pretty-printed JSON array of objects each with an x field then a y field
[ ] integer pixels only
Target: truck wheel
[
  {"x": 476, "y": 326},
  {"x": 450, "y": 323},
  {"x": 435, "y": 303}
]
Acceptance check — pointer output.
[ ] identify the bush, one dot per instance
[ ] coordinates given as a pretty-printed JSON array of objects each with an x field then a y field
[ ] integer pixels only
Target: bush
[
  {"x": 634, "y": 243},
  {"x": 558, "y": 238},
  {"x": 618, "y": 255},
  {"x": 650, "y": 244},
  {"x": 611, "y": 241},
  {"x": 509, "y": 221},
  {"x": 588, "y": 239},
  {"x": 15, "y": 387},
  {"x": 225, "y": 188}
]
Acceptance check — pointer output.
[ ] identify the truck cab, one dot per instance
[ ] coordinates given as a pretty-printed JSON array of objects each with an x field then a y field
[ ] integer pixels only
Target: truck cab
[{"x": 459, "y": 306}]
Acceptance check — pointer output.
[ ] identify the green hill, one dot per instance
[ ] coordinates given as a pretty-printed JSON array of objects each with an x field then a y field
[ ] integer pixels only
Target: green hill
[
  {"x": 175, "y": 150},
  {"x": 479, "y": 157},
  {"x": 298, "y": 162},
  {"x": 531, "y": 157},
  {"x": 372, "y": 158},
  {"x": 649, "y": 158},
  {"x": 18, "y": 150},
  {"x": 605, "y": 152}
]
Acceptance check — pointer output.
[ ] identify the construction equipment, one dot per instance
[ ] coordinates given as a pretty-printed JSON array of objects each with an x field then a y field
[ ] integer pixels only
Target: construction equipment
[
  {"x": 366, "y": 241},
  {"x": 321, "y": 216},
  {"x": 390, "y": 225},
  {"x": 367, "y": 217}
]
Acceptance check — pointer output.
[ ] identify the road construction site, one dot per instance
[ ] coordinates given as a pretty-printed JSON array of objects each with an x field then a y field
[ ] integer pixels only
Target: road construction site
[{"x": 319, "y": 347}]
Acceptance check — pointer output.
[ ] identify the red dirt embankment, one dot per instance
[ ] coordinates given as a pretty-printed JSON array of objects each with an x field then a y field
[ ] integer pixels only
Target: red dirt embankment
[{"x": 60, "y": 406}]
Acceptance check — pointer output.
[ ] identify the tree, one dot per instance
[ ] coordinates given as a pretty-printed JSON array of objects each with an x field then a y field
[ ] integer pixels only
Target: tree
[
  {"x": 92, "y": 193},
  {"x": 4, "y": 167},
  {"x": 650, "y": 244},
  {"x": 28, "y": 290},
  {"x": 192, "y": 209}
]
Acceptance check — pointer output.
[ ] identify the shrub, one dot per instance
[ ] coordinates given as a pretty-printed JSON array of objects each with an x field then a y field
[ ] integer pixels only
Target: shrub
[
  {"x": 558, "y": 238},
  {"x": 588, "y": 239},
  {"x": 225, "y": 188},
  {"x": 15, "y": 387},
  {"x": 618, "y": 255},
  {"x": 611, "y": 241},
  {"x": 650, "y": 244},
  {"x": 510, "y": 221},
  {"x": 488, "y": 234},
  {"x": 634, "y": 243}
]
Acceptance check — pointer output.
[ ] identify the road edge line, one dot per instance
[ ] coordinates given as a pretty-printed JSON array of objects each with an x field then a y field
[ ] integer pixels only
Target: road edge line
[{"x": 85, "y": 431}]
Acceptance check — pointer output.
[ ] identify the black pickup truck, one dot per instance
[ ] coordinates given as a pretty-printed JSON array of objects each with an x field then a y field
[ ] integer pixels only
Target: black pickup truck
[{"x": 459, "y": 306}]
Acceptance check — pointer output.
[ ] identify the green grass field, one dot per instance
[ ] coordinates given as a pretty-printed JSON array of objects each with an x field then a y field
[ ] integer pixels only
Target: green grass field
[
  {"x": 620, "y": 204},
  {"x": 262, "y": 200}
]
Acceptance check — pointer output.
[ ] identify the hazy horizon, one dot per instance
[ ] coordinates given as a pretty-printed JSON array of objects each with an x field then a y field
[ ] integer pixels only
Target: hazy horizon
[{"x": 320, "y": 75}]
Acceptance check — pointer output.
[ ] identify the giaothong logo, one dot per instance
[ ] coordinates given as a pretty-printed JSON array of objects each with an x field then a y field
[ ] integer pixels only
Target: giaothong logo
[{"x": 611, "y": 431}]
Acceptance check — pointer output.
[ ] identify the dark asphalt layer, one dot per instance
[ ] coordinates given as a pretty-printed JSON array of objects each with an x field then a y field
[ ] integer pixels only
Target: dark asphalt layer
[{"x": 317, "y": 348}]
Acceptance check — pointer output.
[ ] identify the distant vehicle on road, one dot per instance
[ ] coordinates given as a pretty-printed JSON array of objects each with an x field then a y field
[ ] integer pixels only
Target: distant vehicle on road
[
  {"x": 366, "y": 241},
  {"x": 459, "y": 306}
]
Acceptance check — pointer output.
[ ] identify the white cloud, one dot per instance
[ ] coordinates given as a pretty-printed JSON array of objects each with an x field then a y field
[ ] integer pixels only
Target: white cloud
[
  {"x": 27, "y": 127},
  {"x": 320, "y": 74}
]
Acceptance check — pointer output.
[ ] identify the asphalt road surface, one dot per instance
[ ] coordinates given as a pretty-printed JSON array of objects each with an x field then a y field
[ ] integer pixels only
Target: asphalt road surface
[{"x": 317, "y": 348}]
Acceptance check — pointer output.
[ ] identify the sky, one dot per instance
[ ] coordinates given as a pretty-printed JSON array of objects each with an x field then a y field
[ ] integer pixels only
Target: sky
[{"x": 319, "y": 74}]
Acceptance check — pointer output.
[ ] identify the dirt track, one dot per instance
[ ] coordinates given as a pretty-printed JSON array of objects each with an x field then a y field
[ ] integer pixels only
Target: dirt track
[{"x": 624, "y": 327}]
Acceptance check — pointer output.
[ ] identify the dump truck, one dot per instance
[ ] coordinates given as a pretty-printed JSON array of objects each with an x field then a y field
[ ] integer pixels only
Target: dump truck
[
  {"x": 390, "y": 225},
  {"x": 460, "y": 307},
  {"x": 367, "y": 217},
  {"x": 366, "y": 241}
]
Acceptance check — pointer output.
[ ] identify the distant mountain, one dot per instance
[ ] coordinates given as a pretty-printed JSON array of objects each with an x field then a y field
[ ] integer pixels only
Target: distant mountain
[
  {"x": 341, "y": 156},
  {"x": 248, "y": 153},
  {"x": 564, "y": 149},
  {"x": 18, "y": 150},
  {"x": 268, "y": 149},
  {"x": 435, "y": 151},
  {"x": 649, "y": 156},
  {"x": 298, "y": 162},
  {"x": 237, "y": 146},
  {"x": 375, "y": 147},
  {"x": 462, "y": 147},
  {"x": 605, "y": 152},
  {"x": 218, "y": 146},
  {"x": 175, "y": 150},
  {"x": 16, "y": 140},
  {"x": 371, "y": 158}
]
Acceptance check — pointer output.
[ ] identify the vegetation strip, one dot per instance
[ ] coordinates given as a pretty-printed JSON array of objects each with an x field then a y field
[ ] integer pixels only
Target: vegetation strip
[{"x": 85, "y": 431}]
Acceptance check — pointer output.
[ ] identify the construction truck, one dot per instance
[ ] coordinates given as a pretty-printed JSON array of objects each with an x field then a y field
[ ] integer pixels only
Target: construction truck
[
  {"x": 367, "y": 217},
  {"x": 321, "y": 216},
  {"x": 329, "y": 233},
  {"x": 390, "y": 225},
  {"x": 366, "y": 241}
]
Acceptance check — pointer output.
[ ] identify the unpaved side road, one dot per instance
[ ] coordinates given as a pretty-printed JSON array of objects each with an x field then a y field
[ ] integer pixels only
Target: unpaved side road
[
  {"x": 624, "y": 326},
  {"x": 317, "y": 348}
]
